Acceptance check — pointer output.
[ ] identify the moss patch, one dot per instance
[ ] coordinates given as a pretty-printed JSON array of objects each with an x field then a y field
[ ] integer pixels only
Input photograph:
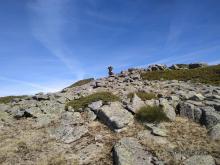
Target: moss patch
[
  {"x": 152, "y": 114},
  {"x": 207, "y": 75},
  {"x": 81, "y": 82},
  {"x": 85, "y": 101},
  {"x": 143, "y": 95}
]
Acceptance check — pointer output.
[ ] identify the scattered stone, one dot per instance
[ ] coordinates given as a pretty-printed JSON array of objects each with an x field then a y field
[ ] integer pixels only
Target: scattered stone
[
  {"x": 110, "y": 69},
  {"x": 41, "y": 96},
  {"x": 44, "y": 120},
  {"x": 197, "y": 97},
  {"x": 61, "y": 100},
  {"x": 90, "y": 115},
  {"x": 157, "y": 67},
  {"x": 186, "y": 110},
  {"x": 197, "y": 65},
  {"x": 136, "y": 104},
  {"x": 214, "y": 132},
  {"x": 214, "y": 104},
  {"x": 99, "y": 84},
  {"x": 210, "y": 117},
  {"x": 135, "y": 76},
  {"x": 68, "y": 118},
  {"x": 115, "y": 116},
  {"x": 152, "y": 102},
  {"x": 159, "y": 132},
  {"x": 91, "y": 153},
  {"x": 34, "y": 112},
  {"x": 200, "y": 160},
  {"x": 68, "y": 133},
  {"x": 128, "y": 151},
  {"x": 173, "y": 98},
  {"x": 95, "y": 106},
  {"x": 168, "y": 109},
  {"x": 179, "y": 66}
]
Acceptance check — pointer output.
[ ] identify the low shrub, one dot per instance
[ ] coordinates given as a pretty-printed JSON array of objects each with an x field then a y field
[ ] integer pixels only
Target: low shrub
[
  {"x": 143, "y": 95},
  {"x": 152, "y": 114},
  {"x": 83, "y": 102},
  {"x": 207, "y": 75},
  {"x": 81, "y": 82},
  {"x": 8, "y": 99}
]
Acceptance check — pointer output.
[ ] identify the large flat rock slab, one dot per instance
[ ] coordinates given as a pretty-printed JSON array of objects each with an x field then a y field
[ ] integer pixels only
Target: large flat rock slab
[
  {"x": 128, "y": 151},
  {"x": 68, "y": 134},
  {"x": 115, "y": 116}
]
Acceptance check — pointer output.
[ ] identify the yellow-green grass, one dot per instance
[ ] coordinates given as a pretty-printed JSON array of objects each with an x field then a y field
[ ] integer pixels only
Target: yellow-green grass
[
  {"x": 151, "y": 114},
  {"x": 83, "y": 102},
  {"x": 143, "y": 95},
  {"x": 8, "y": 99},
  {"x": 207, "y": 75},
  {"x": 81, "y": 82}
]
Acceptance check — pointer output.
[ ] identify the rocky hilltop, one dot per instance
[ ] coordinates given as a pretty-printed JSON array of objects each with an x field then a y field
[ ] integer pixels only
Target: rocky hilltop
[{"x": 151, "y": 116}]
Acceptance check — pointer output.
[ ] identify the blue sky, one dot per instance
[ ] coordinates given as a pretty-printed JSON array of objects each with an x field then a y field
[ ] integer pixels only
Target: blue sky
[{"x": 46, "y": 45}]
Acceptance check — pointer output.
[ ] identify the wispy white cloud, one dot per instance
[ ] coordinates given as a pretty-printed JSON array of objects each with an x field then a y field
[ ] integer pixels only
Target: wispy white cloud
[
  {"x": 48, "y": 26},
  {"x": 26, "y": 83},
  {"x": 27, "y": 87},
  {"x": 185, "y": 58},
  {"x": 214, "y": 62}
]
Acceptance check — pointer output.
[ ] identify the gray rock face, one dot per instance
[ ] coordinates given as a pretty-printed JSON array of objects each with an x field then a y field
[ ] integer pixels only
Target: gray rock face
[
  {"x": 198, "y": 114},
  {"x": 44, "y": 120},
  {"x": 210, "y": 117},
  {"x": 156, "y": 67},
  {"x": 115, "y": 116},
  {"x": 187, "y": 110},
  {"x": 95, "y": 106},
  {"x": 34, "y": 111},
  {"x": 179, "y": 66},
  {"x": 99, "y": 84},
  {"x": 204, "y": 115},
  {"x": 90, "y": 115},
  {"x": 68, "y": 133},
  {"x": 197, "y": 65},
  {"x": 18, "y": 113},
  {"x": 68, "y": 118},
  {"x": 136, "y": 104},
  {"x": 197, "y": 97},
  {"x": 90, "y": 153},
  {"x": 135, "y": 76},
  {"x": 200, "y": 160},
  {"x": 159, "y": 132},
  {"x": 214, "y": 104},
  {"x": 214, "y": 132},
  {"x": 128, "y": 151},
  {"x": 41, "y": 96},
  {"x": 168, "y": 109}
]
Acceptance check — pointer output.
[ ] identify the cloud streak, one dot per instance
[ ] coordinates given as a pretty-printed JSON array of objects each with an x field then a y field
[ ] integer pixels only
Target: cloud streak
[
  {"x": 26, "y": 83},
  {"x": 48, "y": 25},
  {"x": 185, "y": 57}
]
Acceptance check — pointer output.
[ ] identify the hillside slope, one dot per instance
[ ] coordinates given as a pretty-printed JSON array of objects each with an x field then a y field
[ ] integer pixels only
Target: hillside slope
[{"x": 135, "y": 117}]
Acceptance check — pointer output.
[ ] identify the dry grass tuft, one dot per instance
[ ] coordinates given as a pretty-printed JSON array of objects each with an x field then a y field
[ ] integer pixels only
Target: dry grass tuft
[
  {"x": 142, "y": 95},
  {"x": 152, "y": 114},
  {"x": 85, "y": 101}
]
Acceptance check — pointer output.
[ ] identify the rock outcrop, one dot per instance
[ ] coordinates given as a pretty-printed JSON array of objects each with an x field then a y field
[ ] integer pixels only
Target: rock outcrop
[{"x": 128, "y": 151}]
